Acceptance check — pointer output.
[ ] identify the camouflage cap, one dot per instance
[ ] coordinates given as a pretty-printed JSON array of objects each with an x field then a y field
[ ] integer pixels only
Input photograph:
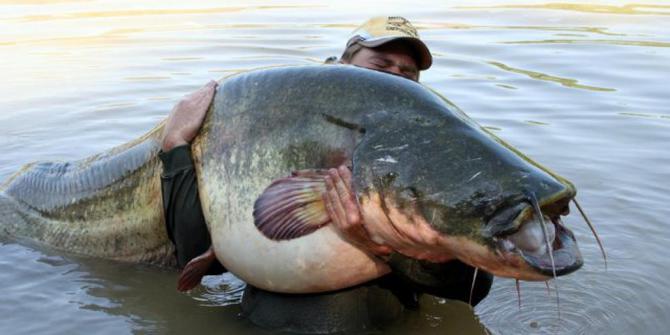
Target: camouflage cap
[{"x": 384, "y": 29}]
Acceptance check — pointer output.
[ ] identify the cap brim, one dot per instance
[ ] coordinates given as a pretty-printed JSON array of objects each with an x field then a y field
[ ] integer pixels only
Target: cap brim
[{"x": 425, "y": 58}]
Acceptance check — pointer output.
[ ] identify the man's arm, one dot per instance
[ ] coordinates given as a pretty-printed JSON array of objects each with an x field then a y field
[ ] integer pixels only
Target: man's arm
[
  {"x": 451, "y": 280},
  {"x": 184, "y": 219}
]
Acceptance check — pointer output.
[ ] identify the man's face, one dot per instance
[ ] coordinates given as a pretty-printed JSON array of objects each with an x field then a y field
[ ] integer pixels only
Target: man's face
[{"x": 395, "y": 58}]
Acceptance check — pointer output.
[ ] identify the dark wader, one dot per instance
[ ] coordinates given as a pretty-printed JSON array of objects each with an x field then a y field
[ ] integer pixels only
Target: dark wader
[{"x": 364, "y": 307}]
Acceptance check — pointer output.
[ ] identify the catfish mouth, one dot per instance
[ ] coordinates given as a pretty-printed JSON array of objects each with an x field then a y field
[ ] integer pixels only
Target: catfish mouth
[{"x": 526, "y": 238}]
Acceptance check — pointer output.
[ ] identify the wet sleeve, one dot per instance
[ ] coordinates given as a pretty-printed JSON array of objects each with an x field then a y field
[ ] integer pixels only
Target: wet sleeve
[
  {"x": 454, "y": 280},
  {"x": 184, "y": 220},
  {"x": 450, "y": 280}
]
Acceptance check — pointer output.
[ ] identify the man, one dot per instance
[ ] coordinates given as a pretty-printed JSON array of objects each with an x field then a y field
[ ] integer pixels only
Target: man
[{"x": 387, "y": 44}]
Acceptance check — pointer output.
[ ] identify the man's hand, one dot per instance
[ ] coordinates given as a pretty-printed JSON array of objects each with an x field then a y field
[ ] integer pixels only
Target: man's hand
[
  {"x": 343, "y": 210},
  {"x": 186, "y": 117},
  {"x": 193, "y": 272}
]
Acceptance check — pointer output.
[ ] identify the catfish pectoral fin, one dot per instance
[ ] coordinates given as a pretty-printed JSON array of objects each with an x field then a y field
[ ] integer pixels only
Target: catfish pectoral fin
[{"x": 292, "y": 206}]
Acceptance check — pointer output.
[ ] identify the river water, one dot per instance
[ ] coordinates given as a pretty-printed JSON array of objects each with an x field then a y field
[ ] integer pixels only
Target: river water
[{"x": 581, "y": 87}]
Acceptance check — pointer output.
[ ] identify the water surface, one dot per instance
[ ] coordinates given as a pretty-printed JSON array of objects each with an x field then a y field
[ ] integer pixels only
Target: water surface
[{"x": 580, "y": 87}]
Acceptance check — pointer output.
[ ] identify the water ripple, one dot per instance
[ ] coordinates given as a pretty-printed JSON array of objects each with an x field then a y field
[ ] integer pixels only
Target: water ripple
[
  {"x": 652, "y": 44},
  {"x": 222, "y": 290},
  {"x": 567, "y": 82},
  {"x": 147, "y": 12},
  {"x": 587, "y": 303},
  {"x": 580, "y": 87},
  {"x": 629, "y": 9}
]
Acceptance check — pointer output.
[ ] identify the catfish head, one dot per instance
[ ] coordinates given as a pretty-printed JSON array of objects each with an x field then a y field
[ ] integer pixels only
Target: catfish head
[{"x": 435, "y": 186}]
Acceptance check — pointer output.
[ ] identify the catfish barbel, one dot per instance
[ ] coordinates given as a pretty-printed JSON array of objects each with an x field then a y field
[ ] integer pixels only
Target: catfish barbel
[{"x": 431, "y": 183}]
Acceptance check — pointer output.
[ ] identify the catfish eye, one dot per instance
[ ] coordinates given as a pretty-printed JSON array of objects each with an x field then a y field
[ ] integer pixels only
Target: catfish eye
[
  {"x": 413, "y": 192},
  {"x": 410, "y": 195},
  {"x": 386, "y": 180}
]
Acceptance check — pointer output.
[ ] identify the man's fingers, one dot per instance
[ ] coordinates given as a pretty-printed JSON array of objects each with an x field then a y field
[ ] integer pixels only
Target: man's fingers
[
  {"x": 207, "y": 87},
  {"x": 210, "y": 88},
  {"x": 187, "y": 116},
  {"x": 343, "y": 210},
  {"x": 342, "y": 188},
  {"x": 206, "y": 101},
  {"x": 204, "y": 97},
  {"x": 336, "y": 205},
  {"x": 353, "y": 213},
  {"x": 344, "y": 204},
  {"x": 380, "y": 250},
  {"x": 328, "y": 203},
  {"x": 345, "y": 173},
  {"x": 361, "y": 238},
  {"x": 202, "y": 92},
  {"x": 342, "y": 180},
  {"x": 199, "y": 103}
]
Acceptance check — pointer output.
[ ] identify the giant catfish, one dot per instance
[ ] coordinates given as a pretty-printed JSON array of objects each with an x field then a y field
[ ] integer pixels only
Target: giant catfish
[{"x": 431, "y": 183}]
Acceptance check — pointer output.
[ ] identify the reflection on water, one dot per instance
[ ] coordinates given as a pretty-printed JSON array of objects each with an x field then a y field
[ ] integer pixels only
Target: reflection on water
[
  {"x": 149, "y": 12},
  {"x": 630, "y": 9},
  {"x": 447, "y": 25},
  {"x": 589, "y": 41},
  {"x": 541, "y": 76},
  {"x": 581, "y": 88}
]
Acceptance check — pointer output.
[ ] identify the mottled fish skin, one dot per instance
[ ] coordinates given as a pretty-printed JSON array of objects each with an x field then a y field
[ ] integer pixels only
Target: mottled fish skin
[
  {"x": 398, "y": 134},
  {"x": 262, "y": 126},
  {"x": 107, "y": 205}
]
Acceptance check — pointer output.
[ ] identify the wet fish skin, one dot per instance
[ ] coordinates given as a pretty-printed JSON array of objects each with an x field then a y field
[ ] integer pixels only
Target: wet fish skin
[
  {"x": 404, "y": 142},
  {"x": 107, "y": 205},
  {"x": 426, "y": 166}
]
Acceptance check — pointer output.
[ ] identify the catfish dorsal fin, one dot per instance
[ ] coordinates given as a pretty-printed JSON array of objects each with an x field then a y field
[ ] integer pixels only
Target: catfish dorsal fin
[{"x": 292, "y": 206}]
